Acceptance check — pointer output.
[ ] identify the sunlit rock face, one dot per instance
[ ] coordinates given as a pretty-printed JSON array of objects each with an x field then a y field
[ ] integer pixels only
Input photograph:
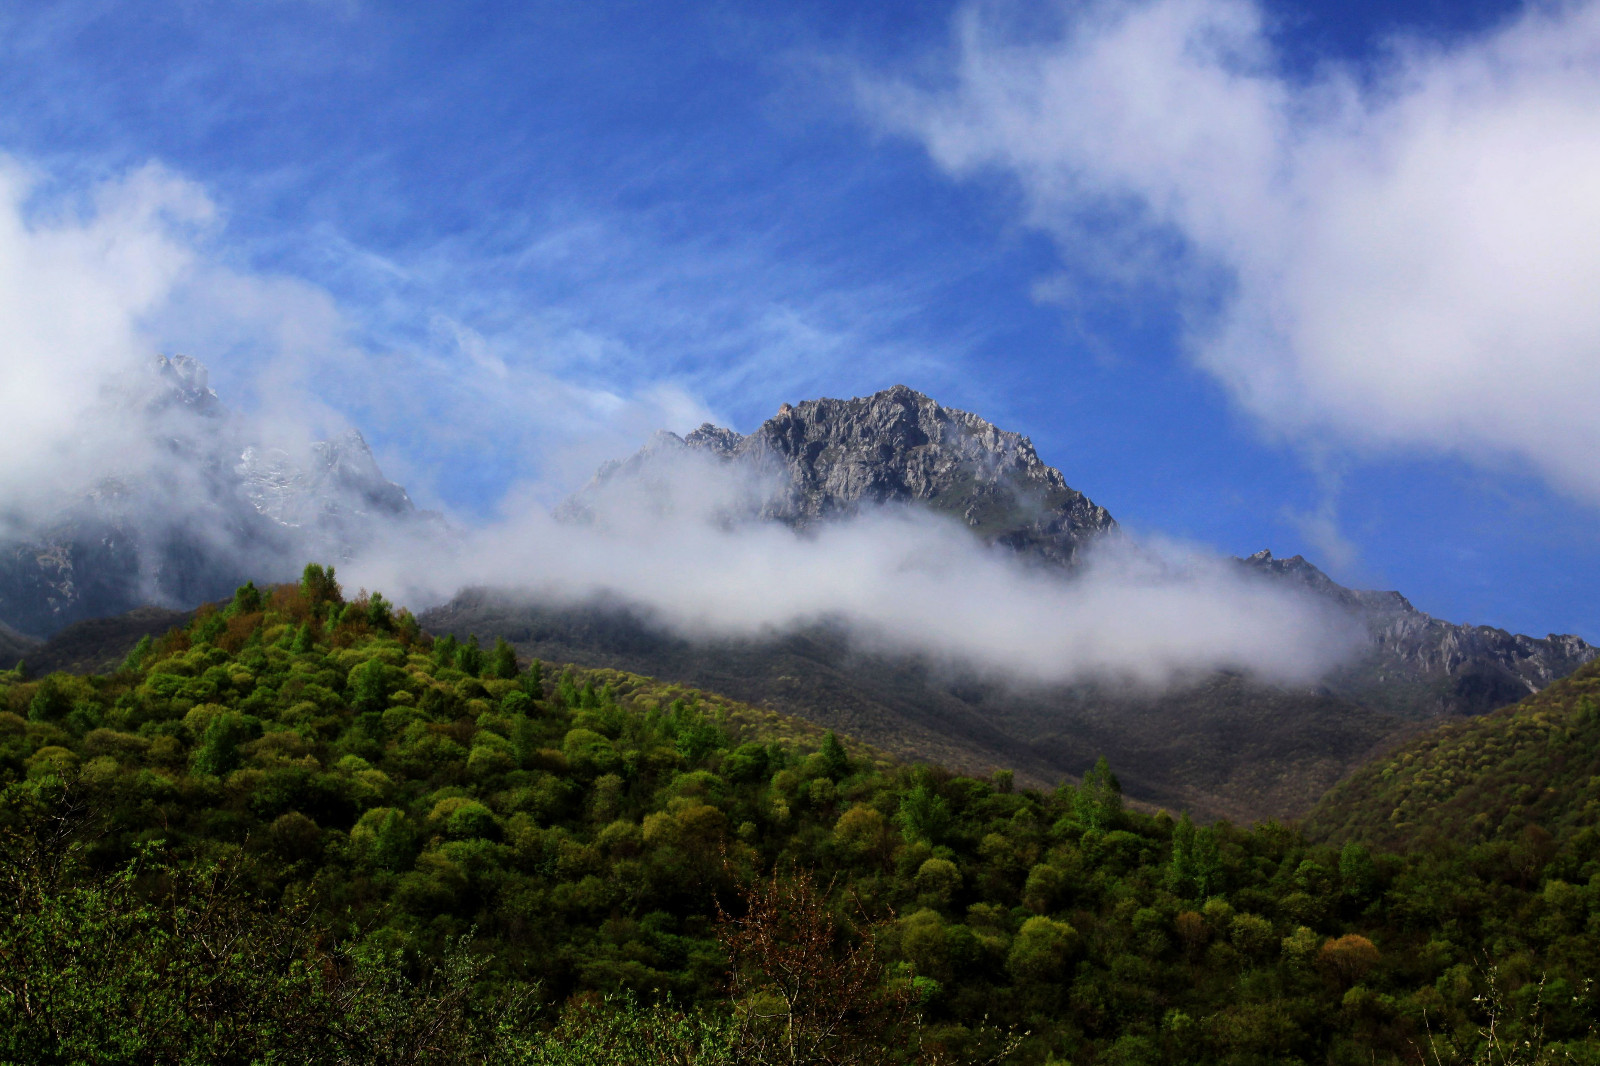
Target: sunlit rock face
[
  {"x": 202, "y": 509},
  {"x": 826, "y": 458}
]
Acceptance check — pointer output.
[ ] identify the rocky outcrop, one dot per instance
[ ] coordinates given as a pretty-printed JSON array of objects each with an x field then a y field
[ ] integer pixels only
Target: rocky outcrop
[
  {"x": 1417, "y": 666},
  {"x": 826, "y": 458}
]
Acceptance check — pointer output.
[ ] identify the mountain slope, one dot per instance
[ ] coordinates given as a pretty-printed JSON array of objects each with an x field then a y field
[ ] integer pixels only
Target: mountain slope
[
  {"x": 1225, "y": 746},
  {"x": 15, "y": 646},
  {"x": 99, "y": 645},
  {"x": 1487, "y": 778},
  {"x": 1418, "y": 666}
]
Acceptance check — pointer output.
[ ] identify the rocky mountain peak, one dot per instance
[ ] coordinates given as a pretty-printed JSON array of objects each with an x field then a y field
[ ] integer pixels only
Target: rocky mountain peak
[
  {"x": 715, "y": 439},
  {"x": 184, "y": 383},
  {"x": 1301, "y": 571},
  {"x": 830, "y": 457},
  {"x": 1438, "y": 666}
]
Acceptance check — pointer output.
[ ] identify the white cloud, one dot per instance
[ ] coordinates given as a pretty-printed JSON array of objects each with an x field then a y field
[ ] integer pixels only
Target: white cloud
[
  {"x": 78, "y": 277},
  {"x": 669, "y": 543},
  {"x": 1409, "y": 252},
  {"x": 97, "y": 279}
]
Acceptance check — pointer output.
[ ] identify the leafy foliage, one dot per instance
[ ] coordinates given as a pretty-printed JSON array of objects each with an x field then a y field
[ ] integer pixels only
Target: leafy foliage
[
  {"x": 379, "y": 826},
  {"x": 1514, "y": 776}
]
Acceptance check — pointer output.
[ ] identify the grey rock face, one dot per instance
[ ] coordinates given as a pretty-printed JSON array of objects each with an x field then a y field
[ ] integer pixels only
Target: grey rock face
[
  {"x": 334, "y": 492},
  {"x": 1417, "y": 665},
  {"x": 826, "y": 458},
  {"x": 209, "y": 511}
]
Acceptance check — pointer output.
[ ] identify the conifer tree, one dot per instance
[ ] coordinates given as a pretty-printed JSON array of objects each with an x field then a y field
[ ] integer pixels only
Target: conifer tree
[
  {"x": 1098, "y": 800},
  {"x": 503, "y": 660},
  {"x": 533, "y": 680},
  {"x": 469, "y": 659},
  {"x": 834, "y": 758}
]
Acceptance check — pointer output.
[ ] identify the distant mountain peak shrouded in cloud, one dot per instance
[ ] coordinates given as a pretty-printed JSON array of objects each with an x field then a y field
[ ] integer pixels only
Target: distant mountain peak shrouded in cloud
[{"x": 199, "y": 509}]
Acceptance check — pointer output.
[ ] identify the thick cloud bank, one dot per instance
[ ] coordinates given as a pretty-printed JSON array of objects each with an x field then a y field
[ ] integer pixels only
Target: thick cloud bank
[
  {"x": 1410, "y": 251},
  {"x": 900, "y": 580}
]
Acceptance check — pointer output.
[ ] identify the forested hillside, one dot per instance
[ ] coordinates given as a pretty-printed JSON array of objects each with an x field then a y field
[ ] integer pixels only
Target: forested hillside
[
  {"x": 1532, "y": 769},
  {"x": 421, "y": 850}
]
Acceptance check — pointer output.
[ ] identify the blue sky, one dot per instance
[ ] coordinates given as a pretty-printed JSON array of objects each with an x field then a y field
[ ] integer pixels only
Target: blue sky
[{"x": 523, "y": 235}]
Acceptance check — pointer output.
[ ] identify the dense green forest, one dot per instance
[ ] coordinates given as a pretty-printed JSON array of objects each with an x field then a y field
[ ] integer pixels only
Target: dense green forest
[
  {"x": 302, "y": 830},
  {"x": 1533, "y": 767}
]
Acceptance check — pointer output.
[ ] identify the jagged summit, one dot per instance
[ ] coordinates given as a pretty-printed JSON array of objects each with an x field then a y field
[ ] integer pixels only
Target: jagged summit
[
  {"x": 185, "y": 382},
  {"x": 829, "y": 457},
  {"x": 1298, "y": 569},
  {"x": 1422, "y": 661}
]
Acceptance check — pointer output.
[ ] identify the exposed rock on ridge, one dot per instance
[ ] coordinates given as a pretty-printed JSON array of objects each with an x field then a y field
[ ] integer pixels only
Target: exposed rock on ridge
[
  {"x": 1417, "y": 665},
  {"x": 826, "y": 458}
]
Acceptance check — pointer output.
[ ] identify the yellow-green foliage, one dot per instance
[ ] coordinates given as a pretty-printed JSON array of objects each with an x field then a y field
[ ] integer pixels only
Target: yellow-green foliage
[
  {"x": 1530, "y": 768},
  {"x": 588, "y": 827}
]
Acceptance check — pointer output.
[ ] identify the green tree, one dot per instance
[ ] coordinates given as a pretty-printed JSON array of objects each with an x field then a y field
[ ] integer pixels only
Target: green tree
[
  {"x": 835, "y": 761},
  {"x": 924, "y": 815},
  {"x": 1042, "y": 949},
  {"x": 318, "y": 587},
  {"x": 469, "y": 659},
  {"x": 380, "y": 613},
  {"x": 369, "y": 686},
  {"x": 533, "y": 680},
  {"x": 246, "y": 600},
  {"x": 1181, "y": 870},
  {"x": 503, "y": 660},
  {"x": 140, "y": 652},
  {"x": 218, "y": 752},
  {"x": 1357, "y": 871},
  {"x": 1098, "y": 800},
  {"x": 50, "y": 702},
  {"x": 445, "y": 650}
]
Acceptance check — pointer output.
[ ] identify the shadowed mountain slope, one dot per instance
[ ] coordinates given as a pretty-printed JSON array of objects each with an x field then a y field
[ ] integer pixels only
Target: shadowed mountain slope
[
  {"x": 99, "y": 645},
  {"x": 15, "y": 646}
]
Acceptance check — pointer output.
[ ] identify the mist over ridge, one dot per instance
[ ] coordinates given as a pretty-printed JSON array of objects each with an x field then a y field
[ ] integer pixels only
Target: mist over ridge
[{"x": 918, "y": 529}]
